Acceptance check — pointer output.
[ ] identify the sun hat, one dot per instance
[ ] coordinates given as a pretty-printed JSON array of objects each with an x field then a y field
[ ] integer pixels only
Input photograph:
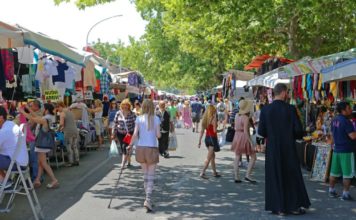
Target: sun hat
[{"x": 245, "y": 107}]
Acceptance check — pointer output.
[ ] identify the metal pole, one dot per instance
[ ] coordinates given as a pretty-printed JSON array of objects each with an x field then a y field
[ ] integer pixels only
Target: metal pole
[{"x": 114, "y": 16}]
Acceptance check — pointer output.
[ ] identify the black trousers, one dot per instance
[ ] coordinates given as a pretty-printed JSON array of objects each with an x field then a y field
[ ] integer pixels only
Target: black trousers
[{"x": 163, "y": 143}]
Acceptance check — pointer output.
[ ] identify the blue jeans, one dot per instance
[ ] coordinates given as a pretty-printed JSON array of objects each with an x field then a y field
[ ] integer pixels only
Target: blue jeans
[{"x": 33, "y": 161}]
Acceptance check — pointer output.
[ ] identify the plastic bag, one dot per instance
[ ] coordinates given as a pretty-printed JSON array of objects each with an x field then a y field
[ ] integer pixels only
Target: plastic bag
[
  {"x": 113, "y": 149},
  {"x": 173, "y": 144},
  {"x": 222, "y": 138}
]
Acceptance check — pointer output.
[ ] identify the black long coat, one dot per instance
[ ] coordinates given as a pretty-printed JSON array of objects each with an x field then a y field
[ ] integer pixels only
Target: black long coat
[{"x": 284, "y": 185}]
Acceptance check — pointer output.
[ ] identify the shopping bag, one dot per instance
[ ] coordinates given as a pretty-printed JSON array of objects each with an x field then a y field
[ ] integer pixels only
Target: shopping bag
[
  {"x": 172, "y": 142},
  {"x": 113, "y": 149},
  {"x": 222, "y": 138}
]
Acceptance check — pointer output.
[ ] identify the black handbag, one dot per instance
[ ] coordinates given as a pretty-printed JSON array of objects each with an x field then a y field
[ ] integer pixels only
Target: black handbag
[
  {"x": 230, "y": 134},
  {"x": 45, "y": 140}
]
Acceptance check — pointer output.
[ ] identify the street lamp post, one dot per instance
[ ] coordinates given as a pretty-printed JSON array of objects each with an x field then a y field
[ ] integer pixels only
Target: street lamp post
[{"x": 114, "y": 16}]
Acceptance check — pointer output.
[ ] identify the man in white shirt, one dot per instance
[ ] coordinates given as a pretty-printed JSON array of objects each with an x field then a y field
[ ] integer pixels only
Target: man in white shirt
[{"x": 9, "y": 136}]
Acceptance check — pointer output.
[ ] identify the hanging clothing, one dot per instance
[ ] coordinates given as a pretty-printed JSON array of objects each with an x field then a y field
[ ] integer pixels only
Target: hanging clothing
[
  {"x": 2, "y": 76},
  {"x": 7, "y": 58},
  {"x": 105, "y": 81},
  {"x": 61, "y": 68},
  {"x": 26, "y": 55},
  {"x": 26, "y": 82},
  {"x": 70, "y": 77},
  {"x": 285, "y": 188},
  {"x": 89, "y": 75}
]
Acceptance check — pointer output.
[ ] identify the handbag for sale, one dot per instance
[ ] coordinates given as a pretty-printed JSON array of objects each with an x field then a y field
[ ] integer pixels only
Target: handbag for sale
[{"x": 45, "y": 140}]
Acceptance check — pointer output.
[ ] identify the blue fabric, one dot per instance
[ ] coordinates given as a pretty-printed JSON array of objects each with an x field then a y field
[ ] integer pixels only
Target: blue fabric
[
  {"x": 341, "y": 128},
  {"x": 196, "y": 107},
  {"x": 33, "y": 161},
  {"x": 61, "y": 75},
  {"x": 112, "y": 114}
]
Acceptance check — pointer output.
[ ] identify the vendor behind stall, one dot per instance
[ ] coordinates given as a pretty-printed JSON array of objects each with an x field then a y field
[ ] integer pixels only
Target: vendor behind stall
[{"x": 342, "y": 164}]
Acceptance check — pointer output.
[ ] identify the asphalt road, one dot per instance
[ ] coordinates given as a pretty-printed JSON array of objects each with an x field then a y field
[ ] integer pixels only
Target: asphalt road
[{"x": 179, "y": 193}]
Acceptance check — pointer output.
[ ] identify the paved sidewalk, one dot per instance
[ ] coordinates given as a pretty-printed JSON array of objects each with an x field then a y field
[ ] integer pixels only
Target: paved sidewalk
[{"x": 179, "y": 192}]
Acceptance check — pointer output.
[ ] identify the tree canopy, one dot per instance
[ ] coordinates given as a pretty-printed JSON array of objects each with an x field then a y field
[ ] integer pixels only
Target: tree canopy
[{"x": 188, "y": 43}]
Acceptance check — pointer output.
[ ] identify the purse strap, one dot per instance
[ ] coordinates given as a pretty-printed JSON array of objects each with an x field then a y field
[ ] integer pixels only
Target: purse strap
[{"x": 122, "y": 115}]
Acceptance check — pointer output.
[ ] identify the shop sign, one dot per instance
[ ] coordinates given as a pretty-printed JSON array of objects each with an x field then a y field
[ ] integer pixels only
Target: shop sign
[{"x": 52, "y": 95}]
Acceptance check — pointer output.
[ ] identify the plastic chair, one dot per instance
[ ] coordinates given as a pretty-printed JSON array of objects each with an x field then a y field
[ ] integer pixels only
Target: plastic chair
[{"x": 22, "y": 184}]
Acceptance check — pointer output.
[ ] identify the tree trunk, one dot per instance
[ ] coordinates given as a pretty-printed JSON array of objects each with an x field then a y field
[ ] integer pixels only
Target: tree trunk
[{"x": 292, "y": 37}]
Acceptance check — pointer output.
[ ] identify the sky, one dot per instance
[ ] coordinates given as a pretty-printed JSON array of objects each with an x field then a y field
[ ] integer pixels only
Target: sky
[{"x": 67, "y": 23}]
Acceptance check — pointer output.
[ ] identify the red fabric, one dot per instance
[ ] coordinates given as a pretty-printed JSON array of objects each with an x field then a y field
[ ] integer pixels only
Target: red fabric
[
  {"x": 353, "y": 88},
  {"x": 259, "y": 60},
  {"x": 97, "y": 87},
  {"x": 210, "y": 131}
]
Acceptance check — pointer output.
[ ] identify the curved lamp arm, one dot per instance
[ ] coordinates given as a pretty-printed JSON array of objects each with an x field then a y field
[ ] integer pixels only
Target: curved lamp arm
[{"x": 114, "y": 16}]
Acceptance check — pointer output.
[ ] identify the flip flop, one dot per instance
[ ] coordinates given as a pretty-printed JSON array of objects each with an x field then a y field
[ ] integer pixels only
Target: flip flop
[{"x": 53, "y": 186}]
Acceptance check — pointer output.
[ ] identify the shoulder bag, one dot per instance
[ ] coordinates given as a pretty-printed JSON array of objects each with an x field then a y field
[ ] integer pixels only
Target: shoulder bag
[{"x": 45, "y": 140}]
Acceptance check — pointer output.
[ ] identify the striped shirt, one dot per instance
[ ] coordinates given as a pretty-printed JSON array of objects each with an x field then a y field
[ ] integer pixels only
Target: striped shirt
[{"x": 120, "y": 120}]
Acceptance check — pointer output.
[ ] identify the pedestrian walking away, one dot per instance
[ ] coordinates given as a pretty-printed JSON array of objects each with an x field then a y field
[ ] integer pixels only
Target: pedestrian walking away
[
  {"x": 68, "y": 125},
  {"x": 209, "y": 124},
  {"x": 165, "y": 127},
  {"x": 147, "y": 131},
  {"x": 280, "y": 125},
  {"x": 197, "y": 109},
  {"x": 242, "y": 143}
]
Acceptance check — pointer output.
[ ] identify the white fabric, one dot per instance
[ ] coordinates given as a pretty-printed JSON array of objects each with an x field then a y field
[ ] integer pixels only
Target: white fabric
[
  {"x": 26, "y": 82},
  {"x": 77, "y": 71},
  {"x": 69, "y": 77},
  {"x": 25, "y": 55},
  {"x": 9, "y": 135},
  {"x": 147, "y": 138}
]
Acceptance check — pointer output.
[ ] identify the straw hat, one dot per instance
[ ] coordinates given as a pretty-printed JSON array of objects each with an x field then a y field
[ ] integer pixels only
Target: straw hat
[{"x": 245, "y": 107}]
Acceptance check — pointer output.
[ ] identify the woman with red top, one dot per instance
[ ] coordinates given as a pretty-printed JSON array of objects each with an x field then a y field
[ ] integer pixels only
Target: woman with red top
[
  {"x": 242, "y": 140},
  {"x": 209, "y": 124}
]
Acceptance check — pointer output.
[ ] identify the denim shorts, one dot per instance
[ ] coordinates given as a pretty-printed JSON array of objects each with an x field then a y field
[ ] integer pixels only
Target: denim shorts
[{"x": 5, "y": 163}]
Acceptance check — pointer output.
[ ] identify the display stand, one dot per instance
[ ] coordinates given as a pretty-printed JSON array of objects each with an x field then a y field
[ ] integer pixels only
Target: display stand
[{"x": 322, "y": 162}]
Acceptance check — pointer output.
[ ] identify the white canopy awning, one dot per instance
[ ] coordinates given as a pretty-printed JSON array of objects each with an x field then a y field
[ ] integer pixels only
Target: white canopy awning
[
  {"x": 10, "y": 36},
  {"x": 55, "y": 47},
  {"x": 269, "y": 79},
  {"x": 340, "y": 72}
]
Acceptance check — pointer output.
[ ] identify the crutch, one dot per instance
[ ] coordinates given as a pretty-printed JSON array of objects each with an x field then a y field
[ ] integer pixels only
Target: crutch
[{"x": 117, "y": 183}]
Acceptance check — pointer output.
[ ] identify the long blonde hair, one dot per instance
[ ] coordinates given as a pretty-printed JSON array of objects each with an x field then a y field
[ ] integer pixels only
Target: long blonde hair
[
  {"x": 149, "y": 109},
  {"x": 208, "y": 116}
]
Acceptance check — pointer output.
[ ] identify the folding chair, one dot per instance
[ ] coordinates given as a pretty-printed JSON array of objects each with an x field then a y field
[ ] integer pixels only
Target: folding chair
[{"x": 21, "y": 181}]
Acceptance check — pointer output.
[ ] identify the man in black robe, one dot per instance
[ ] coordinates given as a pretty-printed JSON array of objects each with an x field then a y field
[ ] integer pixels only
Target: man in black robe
[{"x": 280, "y": 125}]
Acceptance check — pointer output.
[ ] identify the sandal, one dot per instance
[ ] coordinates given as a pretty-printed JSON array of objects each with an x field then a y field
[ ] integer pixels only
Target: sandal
[
  {"x": 216, "y": 175},
  {"x": 203, "y": 176},
  {"x": 37, "y": 184},
  {"x": 299, "y": 211},
  {"x": 238, "y": 181},
  {"x": 53, "y": 185},
  {"x": 250, "y": 180}
]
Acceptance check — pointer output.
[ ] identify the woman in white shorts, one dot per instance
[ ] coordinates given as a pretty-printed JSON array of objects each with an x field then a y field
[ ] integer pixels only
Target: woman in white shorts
[{"x": 147, "y": 130}]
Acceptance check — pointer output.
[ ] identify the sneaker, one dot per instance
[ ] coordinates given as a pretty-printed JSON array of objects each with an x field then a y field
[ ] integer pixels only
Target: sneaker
[
  {"x": 7, "y": 185},
  {"x": 346, "y": 197},
  {"x": 333, "y": 194}
]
